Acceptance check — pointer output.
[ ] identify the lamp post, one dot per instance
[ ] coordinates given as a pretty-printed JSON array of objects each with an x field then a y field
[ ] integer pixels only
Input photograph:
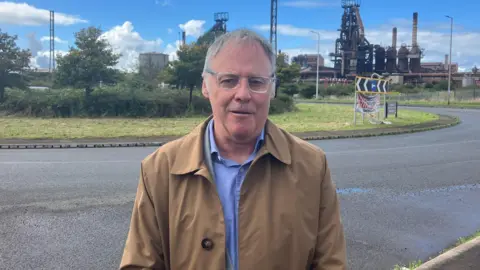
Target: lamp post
[
  {"x": 318, "y": 60},
  {"x": 450, "y": 58}
]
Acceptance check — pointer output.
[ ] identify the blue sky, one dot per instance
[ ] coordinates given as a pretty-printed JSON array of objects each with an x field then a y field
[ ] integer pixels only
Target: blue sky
[{"x": 153, "y": 25}]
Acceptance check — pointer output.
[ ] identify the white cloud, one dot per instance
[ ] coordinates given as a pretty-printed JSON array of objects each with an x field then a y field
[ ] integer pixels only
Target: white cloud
[
  {"x": 122, "y": 38},
  {"x": 25, "y": 14},
  {"x": 172, "y": 49},
  {"x": 41, "y": 59},
  {"x": 170, "y": 30},
  {"x": 193, "y": 28},
  {"x": 57, "y": 39},
  {"x": 34, "y": 45},
  {"x": 129, "y": 43},
  {"x": 308, "y": 4},
  {"x": 435, "y": 42}
]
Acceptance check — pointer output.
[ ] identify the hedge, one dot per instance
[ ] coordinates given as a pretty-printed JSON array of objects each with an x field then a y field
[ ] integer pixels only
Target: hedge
[{"x": 116, "y": 101}]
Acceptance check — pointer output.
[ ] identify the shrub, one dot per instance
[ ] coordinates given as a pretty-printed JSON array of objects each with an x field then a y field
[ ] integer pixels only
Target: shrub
[
  {"x": 115, "y": 101},
  {"x": 338, "y": 90},
  {"x": 308, "y": 90},
  {"x": 281, "y": 104},
  {"x": 289, "y": 89}
]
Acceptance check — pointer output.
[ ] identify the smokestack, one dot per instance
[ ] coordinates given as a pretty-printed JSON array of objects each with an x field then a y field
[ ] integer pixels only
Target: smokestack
[
  {"x": 415, "y": 26},
  {"x": 446, "y": 60},
  {"x": 394, "y": 37},
  {"x": 183, "y": 38}
]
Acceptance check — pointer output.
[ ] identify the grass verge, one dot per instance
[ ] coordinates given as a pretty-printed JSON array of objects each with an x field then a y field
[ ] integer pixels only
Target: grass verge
[
  {"x": 461, "y": 240},
  {"x": 310, "y": 117}
]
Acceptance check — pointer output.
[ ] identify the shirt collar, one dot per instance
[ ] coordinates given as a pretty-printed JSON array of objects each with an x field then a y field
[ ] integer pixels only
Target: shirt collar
[{"x": 213, "y": 145}]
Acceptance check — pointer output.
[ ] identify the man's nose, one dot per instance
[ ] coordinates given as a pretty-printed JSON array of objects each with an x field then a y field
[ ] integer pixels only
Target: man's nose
[{"x": 243, "y": 90}]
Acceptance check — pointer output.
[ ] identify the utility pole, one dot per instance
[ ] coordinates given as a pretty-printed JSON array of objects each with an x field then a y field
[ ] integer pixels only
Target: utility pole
[
  {"x": 450, "y": 59},
  {"x": 318, "y": 60},
  {"x": 273, "y": 24}
]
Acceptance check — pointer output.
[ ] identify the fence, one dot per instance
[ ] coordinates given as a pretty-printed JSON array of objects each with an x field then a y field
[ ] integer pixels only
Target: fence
[{"x": 463, "y": 95}]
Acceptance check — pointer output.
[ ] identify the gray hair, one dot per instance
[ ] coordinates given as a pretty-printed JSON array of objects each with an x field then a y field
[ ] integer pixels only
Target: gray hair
[{"x": 240, "y": 35}]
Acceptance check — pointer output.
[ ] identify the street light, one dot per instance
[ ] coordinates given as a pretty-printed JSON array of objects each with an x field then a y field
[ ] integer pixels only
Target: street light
[
  {"x": 318, "y": 60},
  {"x": 450, "y": 58}
]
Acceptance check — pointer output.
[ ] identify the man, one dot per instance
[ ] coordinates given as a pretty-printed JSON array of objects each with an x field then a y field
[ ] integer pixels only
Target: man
[{"x": 237, "y": 192}]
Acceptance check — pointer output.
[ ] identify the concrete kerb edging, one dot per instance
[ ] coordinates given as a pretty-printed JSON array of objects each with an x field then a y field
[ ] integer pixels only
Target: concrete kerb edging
[
  {"x": 455, "y": 121},
  {"x": 465, "y": 256}
]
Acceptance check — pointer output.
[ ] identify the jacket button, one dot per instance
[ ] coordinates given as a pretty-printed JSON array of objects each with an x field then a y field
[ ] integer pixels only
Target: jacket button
[{"x": 207, "y": 244}]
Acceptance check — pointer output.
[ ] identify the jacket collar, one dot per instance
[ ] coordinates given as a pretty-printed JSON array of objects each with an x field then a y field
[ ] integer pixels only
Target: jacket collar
[
  {"x": 190, "y": 156},
  {"x": 213, "y": 144}
]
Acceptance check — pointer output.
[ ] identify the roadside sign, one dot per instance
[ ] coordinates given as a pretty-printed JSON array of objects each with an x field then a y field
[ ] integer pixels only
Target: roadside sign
[
  {"x": 371, "y": 85},
  {"x": 391, "y": 108}
]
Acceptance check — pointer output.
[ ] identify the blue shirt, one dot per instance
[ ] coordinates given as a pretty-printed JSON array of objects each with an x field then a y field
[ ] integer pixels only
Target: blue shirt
[{"x": 229, "y": 176}]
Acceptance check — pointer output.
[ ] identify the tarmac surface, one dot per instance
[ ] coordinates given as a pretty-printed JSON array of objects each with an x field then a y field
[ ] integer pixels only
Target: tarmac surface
[{"x": 403, "y": 198}]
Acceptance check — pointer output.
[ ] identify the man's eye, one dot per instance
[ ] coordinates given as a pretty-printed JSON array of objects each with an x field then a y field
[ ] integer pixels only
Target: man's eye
[
  {"x": 257, "y": 81},
  {"x": 228, "y": 81}
]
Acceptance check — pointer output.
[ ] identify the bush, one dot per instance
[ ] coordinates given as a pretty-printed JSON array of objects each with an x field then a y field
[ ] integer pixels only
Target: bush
[
  {"x": 428, "y": 85},
  {"x": 281, "y": 104},
  {"x": 289, "y": 89},
  {"x": 338, "y": 90},
  {"x": 115, "y": 101},
  {"x": 405, "y": 89},
  {"x": 308, "y": 90},
  {"x": 103, "y": 102}
]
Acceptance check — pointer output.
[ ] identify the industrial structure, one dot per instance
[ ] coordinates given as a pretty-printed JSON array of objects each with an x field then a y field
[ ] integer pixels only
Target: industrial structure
[
  {"x": 308, "y": 60},
  {"x": 218, "y": 29},
  {"x": 355, "y": 55},
  {"x": 51, "y": 60},
  {"x": 273, "y": 24},
  {"x": 152, "y": 61}
]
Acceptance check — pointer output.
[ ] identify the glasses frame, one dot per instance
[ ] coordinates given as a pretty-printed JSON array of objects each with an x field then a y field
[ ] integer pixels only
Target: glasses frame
[{"x": 270, "y": 80}]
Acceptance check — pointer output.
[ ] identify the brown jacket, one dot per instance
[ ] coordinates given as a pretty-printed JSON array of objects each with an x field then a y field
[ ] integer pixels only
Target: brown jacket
[{"x": 289, "y": 214}]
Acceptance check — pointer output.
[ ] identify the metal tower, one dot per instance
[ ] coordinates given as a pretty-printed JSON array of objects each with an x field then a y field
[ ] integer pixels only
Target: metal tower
[
  {"x": 353, "y": 52},
  {"x": 221, "y": 19},
  {"x": 51, "y": 64},
  {"x": 273, "y": 25}
]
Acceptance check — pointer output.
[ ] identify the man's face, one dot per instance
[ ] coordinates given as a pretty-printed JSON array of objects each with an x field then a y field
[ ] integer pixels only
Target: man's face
[{"x": 239, "y": 112}]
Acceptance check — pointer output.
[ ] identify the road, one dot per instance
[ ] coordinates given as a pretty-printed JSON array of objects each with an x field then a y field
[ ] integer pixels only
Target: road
[{"x": 403, "y": 198}]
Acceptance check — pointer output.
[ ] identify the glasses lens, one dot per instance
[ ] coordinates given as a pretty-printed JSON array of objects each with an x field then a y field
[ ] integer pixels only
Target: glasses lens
[
  {"x": 258, "y": 84},
  {"x": 228, "y": 81}
]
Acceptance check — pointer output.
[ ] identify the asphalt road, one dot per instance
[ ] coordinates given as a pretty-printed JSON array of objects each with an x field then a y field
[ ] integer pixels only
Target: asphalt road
[{"x": 403, "y": 198}]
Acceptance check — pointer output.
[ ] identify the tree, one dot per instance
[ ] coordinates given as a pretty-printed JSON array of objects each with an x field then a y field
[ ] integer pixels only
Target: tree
[
  {"x": 287, "y": 74},
  {"x": 13, "y": 62},
  {"x": 475, "y": 70},
  {"x": 187, "y": 70},
  {"x": 91, "y": 62}
]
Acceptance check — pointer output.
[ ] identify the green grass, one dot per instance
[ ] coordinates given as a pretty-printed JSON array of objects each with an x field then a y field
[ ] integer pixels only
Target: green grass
[
  {"x": 310, "y": 117},
  {"x": 461, "y": 240}
]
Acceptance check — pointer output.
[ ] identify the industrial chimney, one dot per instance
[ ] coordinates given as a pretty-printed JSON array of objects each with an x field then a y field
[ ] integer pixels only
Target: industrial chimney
[
  {"x": 415, "y": 27},
  {"x": 446, "y": 60},
  {"x": 394, "y": 38},
  {"x": 183, "y": 38}
]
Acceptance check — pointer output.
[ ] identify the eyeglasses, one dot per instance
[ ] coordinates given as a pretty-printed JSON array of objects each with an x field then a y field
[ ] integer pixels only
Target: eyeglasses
[{"x": 230, "y": 81}]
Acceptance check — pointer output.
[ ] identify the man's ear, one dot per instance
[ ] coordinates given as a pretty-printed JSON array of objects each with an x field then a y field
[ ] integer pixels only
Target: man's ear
[{"x": 205, "y": 89}]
